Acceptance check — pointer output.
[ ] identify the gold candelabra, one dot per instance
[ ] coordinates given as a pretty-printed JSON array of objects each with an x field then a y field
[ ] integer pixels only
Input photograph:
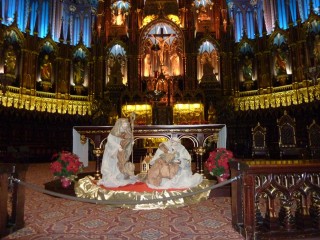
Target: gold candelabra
[{"x": 200, "y": 151}]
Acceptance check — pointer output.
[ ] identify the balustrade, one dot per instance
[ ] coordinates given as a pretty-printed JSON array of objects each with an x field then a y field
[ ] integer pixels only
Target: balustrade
[{"x": 276, "y": 198}]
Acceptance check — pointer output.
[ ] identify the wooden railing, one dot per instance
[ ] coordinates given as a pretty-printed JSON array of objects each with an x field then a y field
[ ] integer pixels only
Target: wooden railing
[
  {"x": 12, "y": 198},
  {"x": 276, "y": 199}
]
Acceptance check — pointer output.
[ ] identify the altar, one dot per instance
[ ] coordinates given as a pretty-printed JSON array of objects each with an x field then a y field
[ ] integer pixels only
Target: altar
[{"x": 199, "y": 135}]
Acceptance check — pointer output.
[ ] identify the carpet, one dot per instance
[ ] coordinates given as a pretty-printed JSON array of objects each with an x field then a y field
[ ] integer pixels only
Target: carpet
[{"x": 48, "y": 217}]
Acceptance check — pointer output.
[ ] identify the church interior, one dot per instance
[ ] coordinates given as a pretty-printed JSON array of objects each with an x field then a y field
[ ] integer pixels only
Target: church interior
[
  {"x": 250, "y": 65},
  {"x": 239, "y": 63}
]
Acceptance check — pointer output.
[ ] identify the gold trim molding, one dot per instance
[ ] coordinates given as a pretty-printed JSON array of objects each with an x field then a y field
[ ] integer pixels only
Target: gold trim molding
[
  {"x": 46, "y": 102},
  {"x": 257, "y": 100}
]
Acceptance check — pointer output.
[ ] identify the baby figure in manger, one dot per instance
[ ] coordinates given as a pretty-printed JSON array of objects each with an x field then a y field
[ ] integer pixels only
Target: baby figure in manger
[
  {"x": 116, "y": 168},
  {"x": 171, "y": 167}
]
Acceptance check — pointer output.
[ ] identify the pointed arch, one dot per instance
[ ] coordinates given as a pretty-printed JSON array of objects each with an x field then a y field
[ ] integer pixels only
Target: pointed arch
[
  {"x": 163, "y": 42},
  {"x": 208, "y": 60},
  {"x": 116, "y": 61}
]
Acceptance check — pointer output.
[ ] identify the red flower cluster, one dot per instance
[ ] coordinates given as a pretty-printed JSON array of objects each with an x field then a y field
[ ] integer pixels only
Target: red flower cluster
[
  {"x": 218, "y": 162},
  {"x": 66, "y": 164}
]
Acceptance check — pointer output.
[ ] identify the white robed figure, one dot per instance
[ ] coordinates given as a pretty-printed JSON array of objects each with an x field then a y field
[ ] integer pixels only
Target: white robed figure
[
  {"x": 184, "y": 177},
  {"x": 116, "y": 168}
]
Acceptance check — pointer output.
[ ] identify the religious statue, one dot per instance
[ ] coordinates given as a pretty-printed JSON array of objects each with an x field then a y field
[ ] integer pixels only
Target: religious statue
[
  {"x": 175, "y": 64},
  {"x": 78, "y": 73},
  {"x": 118, "y": 19},
  {"x": 247, "y": 69},
  {"x": 46, "y": 69},
  {"x": 207, "y": 68},
  {"x": 203, "y": 16},
  {"x": 115, "y": 74},
  {"x": 171, "y": 167},
  {"x": 212, "y": 114},
  {"x": 10, "y": 61},
  {"x": 116, "y": 168},
  {"x": 280, "y": 62},
  {"x": 207, "y": 65},
  {"x": 147, "y": 65},
  {"x": 161, "y": 44},
  {"x": 316, "y": 49},
  {"x": 300, "y": 73},
  {"x": 63, "y": 86}
]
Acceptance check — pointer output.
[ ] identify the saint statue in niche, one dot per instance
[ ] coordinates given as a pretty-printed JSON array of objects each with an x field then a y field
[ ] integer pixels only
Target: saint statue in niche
[
  {"x": 316, "y": 50},
  {"x": 207, "y": 64},
  {"x": 115, "y": 72},
  {"x": 247, "y": 69},
  {"x": 175, "y": 64},
  {"x": 10, "y": 61},
  {"x": 203, "y": 16},
  {"x": 207, "y": 68},
  {"x": 161, "y": 85},
  {"x": 63, "y": 86},
  {"x": 280, "y": 62},
  {"x": 78, "y": 73},
  {"x": 119, "y": 18},
  {"x": 212, "y": 114},
  {"x": 147, "y": 65},
  {"x": 46, "y": 69}
]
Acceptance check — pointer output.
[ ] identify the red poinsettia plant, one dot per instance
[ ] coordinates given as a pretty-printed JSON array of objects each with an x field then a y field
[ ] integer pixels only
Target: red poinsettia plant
[
  {"x": 218, "y": 162},
  {"x": 66, "y": 164}
]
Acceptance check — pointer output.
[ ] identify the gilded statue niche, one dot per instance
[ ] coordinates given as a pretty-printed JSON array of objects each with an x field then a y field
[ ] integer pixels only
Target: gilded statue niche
[
  {"x": 281, "y": 64},
  {"x": 119, "y": 12},
  {"x": 161, "y": 53},
  {"x": 27, "y": 82},
  {"x": 79, "y": 68},
  {"x": 246, "y": 65},
  {"x": 208, "y": 62},
  {"x": 117, "y": 65}
]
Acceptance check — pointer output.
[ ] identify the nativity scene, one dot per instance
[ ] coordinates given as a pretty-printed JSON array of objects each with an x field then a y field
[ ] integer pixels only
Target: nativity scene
[{"x": 170, "y": 172}]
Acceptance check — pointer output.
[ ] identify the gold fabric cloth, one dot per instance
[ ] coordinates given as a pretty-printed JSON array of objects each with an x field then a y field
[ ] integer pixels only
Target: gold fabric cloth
[{"x": 86, "y": 188}]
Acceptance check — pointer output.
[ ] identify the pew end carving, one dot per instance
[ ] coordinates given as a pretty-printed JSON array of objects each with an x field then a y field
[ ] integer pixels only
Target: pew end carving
[{"x": 276, "y": 201}]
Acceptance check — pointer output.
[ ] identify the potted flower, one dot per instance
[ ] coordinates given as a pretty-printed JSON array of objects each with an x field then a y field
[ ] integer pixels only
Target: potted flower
[
  {"x": 218, "y": 163},
  {"x": 66, "y": 166}
]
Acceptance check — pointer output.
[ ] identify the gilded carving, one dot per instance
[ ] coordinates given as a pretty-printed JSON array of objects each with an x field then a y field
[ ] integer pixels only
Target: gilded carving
[
  {"x": 98, "y": 152},
  {"x": 284, "y": 96},
  {"x": 83, "y": 139}
]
